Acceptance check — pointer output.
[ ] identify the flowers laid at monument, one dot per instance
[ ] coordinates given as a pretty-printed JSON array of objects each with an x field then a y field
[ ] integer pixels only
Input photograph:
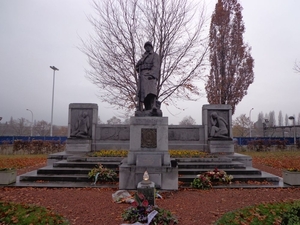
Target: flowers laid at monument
[
  {"x": 207, "y": 179},
  {"x": 100, "y": 173},
  {"x": 140, "y": 212}
]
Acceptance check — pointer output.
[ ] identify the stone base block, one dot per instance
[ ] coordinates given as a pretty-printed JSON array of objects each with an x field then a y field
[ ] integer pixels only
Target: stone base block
[
  {"x": 291, "y": 178},
  {"x": 8, "y": 176},
  {"x": 221, "y": 146},
  {"x": 149, "y": 134},
  {"x": 151, "y": 159},
  {"x": 78, "y": 146},
  {"x": 164, "y": 177}
]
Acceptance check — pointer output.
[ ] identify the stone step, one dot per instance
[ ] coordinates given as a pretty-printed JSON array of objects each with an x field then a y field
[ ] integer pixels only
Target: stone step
[
  {"x": 211, "y": 165},
  {"x": 35, "y": 177},
  {"x": 94, "y": 159},
  {"x": 65, "y": 170},
  {"x": 193, "y": 171},
  {"x": 207, "y": 160},
  {"x": 65, "y": 163},
  {"x": 62, "y": 170},
  {"x": 68, "y": 171}
]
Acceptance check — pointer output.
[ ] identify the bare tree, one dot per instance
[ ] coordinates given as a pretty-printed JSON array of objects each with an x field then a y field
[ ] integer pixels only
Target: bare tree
[
  {"x": 42, "y": 128},
  {"x": 174, "y": 27},
  {"x": 60, "y": 130},
  {"x": 187, "y": 120},
  {"x": 231, "y": 70},
  {"x": 286, "y": 120},
  {"x": 272, "y": 120},
  {"x": 280, "y": 119},
  {"x": 114, "y": 120},
  {"x": 20, "y": 126},
  {"x": 297, "y": 67},
  {"x": 241, "y": 126}
]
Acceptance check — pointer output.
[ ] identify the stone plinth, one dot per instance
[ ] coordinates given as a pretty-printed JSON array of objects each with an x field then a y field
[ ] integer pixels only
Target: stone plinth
[
  {"x": 291, "y": 178},
  {"x": 164, "y": 177},
  {"x": 78, "y": 146},
  {"x": 148, "y": 151},
  {"x": 217, "y": 120},
  {"x": 221, "y": 146},
  {"x": 82, "y": 122},
  {"x": 8, "y": 176},
  {"x": 148, "y": 136}
]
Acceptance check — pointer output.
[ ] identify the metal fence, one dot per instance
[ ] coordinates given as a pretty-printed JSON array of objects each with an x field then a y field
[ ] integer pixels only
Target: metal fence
[
  {"x": 246, "y": 140},
  {"x": 62, "y": 139},
  {"x": 11, "y": 139}
]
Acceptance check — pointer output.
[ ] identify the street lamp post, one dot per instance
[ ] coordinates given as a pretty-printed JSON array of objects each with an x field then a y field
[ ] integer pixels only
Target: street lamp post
[
  {"x": 31, "y": 121},
  {"x": 293, "y": 118},
  {"x": 250, "y": 121},
  {"x": 54, "y": 69}
]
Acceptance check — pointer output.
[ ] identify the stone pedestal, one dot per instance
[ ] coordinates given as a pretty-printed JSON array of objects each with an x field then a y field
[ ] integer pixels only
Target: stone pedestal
[
  {"x": 221, "y": 146},
  {"x": 8, "y": 176},
  {"x": 82, "y": 123},
  {"x": 291, "y": 178},
  {"x": 148, "y": 151},
  {"x": 217, "y": 120},
  {"x": 148, "y": 141},
  {"x": 78, "y": 146}
]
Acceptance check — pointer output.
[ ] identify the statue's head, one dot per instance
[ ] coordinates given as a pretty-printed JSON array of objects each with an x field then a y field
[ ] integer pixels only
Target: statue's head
[
  {"x": 148, "y": 46},
  {"x": 84, "y": 114},
  {"x": 214, "y": 115}
]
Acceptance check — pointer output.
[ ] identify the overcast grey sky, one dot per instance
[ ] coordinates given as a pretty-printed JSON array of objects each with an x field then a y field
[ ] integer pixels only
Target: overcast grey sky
[{"x": 37, "y": 34}]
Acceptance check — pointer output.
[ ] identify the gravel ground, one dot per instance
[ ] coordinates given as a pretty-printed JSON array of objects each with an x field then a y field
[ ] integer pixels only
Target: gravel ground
[{"x": 83, "y": 206}]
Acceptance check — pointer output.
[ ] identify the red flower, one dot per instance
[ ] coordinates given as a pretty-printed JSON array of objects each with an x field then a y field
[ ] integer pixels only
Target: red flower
[
  {"x": 134, "y": 204},
  {"x": 141, "y": 196},
  {"x": 145, "y": 203}
]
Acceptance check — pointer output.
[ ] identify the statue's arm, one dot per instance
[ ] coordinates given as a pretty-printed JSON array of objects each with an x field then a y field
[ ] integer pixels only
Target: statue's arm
[
  {"x": 213, "y": 122},
  {"x": 88, "y": 123},
  {"x": 156, "y": 66}
]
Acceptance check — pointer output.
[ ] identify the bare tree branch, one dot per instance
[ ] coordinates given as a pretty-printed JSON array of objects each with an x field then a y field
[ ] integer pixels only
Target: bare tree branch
[
  {"x": 297, "y": 67},
  {"x": 176, "y": 30}
]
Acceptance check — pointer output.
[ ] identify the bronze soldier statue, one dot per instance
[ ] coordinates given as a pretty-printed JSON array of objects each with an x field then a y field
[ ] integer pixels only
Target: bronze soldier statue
[{"x": 148, "y": 68}]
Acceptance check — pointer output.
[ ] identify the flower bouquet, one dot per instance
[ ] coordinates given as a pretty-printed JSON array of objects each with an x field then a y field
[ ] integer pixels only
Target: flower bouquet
[
  {"x": 141, "y": 212},
  {"x": 207, "y": 179}
]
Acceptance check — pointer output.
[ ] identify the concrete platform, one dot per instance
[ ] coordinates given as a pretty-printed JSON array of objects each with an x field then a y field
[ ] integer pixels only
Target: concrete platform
[{"x": 71, "y": 172}]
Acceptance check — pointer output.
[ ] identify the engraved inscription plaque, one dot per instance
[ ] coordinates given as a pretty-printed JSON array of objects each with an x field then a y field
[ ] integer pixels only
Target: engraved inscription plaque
[{"x": 148, "y": 138}]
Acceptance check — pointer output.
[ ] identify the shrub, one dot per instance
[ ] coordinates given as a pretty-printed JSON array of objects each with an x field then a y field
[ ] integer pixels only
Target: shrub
[
  {"x": 23, "y": 214},
  {"x": 37, "y": 147},
  {"x": 292, "y": 216},
  {"x": 284, "y": 213}
]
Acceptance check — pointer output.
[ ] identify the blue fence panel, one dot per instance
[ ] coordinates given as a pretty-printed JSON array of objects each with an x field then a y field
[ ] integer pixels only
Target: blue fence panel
[
  {"x": 246, "y": 140},
  {"x": 11, "y": 139},
  {"x": 62, "y": 139}
]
